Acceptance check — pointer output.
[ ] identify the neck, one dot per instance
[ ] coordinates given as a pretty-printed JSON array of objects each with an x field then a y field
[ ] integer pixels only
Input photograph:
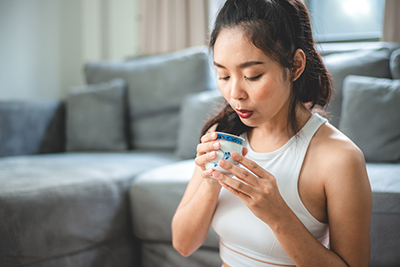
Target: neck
[{"x": 276, "y": 132}]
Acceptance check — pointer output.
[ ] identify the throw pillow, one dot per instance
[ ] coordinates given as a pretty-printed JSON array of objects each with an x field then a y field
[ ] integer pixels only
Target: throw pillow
[
  {"x": 374, "y": 63},
  {"x": 395, "y": 64},
  {"x": 371, "y": 116},
  {"x": 31, "y": 127},
  {"x": 96, "y": 117},
  {"x": 156, "y": 87},
  {"x": 195, "y": 111}
]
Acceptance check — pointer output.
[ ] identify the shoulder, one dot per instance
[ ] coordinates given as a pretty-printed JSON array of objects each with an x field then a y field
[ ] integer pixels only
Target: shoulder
[
  {"x": 337, "y": 157},
  {"x": 341, "y": 166},
  {"x": 336, "y": 147}
]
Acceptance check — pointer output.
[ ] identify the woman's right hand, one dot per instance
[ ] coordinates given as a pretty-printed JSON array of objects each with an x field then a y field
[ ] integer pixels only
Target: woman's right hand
[{"x": 206, "y": 151}]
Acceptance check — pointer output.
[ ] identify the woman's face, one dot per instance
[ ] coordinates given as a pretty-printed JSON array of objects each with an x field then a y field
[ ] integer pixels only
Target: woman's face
[{"x": 255, "y": 86}]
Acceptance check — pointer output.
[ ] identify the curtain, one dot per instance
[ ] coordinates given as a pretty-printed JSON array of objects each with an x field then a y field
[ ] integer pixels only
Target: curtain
[
  {"x": 391, "y": 22},
  {"x": 170, "y": 25}
]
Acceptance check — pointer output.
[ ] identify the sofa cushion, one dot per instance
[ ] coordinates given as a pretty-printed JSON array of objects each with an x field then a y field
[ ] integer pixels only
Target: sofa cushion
[
  {"x": 373, "y": 63},
  {"x": 395, "y": 64},
  {"x": 195, "y": 111},
  {"x": 371, "y": 116},
  {"x": 31, "y": 127},
  {"x": 155, "y": 195},
  {"x": 59, "y": 204},
  {"x": 384, "y": 177},
  {"x": 164, "y": 255},
  {"x": 385, "y": 232},
  {"x": 156, "y": 88},
  {"x": 96, "y": 117}
]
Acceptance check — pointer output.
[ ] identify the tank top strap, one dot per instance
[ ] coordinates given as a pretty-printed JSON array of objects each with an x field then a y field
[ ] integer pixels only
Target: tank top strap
[{"x": 311, "y": 127}]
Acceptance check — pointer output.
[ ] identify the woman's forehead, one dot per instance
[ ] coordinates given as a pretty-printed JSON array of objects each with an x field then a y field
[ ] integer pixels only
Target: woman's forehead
[{"x": 233, "y": 45}]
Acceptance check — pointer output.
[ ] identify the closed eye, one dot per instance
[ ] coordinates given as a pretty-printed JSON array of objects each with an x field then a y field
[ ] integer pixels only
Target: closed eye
[
  {"x": 255, "y": 78},
  {"x": 224, "y": 78}
]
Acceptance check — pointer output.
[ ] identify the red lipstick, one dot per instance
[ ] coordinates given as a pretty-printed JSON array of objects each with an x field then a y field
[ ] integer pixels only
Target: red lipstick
[{"x": 244, "y": 113}]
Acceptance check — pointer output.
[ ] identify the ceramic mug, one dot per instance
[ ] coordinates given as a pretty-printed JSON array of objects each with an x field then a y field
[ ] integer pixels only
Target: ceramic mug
[{"x": 229, "y": 143}]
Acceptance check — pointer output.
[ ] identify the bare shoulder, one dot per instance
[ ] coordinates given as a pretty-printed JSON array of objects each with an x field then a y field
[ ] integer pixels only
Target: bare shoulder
[
  {"x": 334, "y": 152},
  {"x": 341, "y": 166}
]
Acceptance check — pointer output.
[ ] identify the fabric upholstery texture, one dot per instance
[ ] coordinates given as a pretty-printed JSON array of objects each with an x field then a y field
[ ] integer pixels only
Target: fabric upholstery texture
[
  {"x": 161, "y": 254},
  {"x": 156, "y": 87},
  {"x": 96, "y": 117},
  {"x": 160, "y": 191},
  {"x": 31, "y": 128},
  {"x": 395, "y": 64},
  {"x": 122, "y": 251},
  {"x": 385, "y": 234},
  {"x": 371, "y": 116},
  {"x": 384, "y": 177},
  {"x": 195, "y": 111},
  {"x": 61, "y": 204},
  {"x": 373, "y": 63}
]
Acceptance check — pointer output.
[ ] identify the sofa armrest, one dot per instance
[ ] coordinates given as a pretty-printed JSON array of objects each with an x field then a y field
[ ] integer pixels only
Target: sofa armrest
[{"x": 31, "y": 128}]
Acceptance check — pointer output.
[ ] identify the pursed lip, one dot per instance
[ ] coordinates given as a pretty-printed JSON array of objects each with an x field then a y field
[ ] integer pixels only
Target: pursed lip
[{"x": 244, "y": 113}]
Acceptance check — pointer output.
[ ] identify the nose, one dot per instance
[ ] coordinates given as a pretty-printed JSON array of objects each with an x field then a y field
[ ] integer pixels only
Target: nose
[{"x": 237, "y": 90}]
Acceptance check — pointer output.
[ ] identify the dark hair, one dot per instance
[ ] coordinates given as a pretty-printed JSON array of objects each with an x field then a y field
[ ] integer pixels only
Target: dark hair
[{"x": 278, "y": 28}]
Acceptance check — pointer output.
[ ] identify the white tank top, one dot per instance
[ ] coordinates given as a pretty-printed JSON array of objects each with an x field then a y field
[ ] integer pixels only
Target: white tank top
[{"x": 245, "y": 240}]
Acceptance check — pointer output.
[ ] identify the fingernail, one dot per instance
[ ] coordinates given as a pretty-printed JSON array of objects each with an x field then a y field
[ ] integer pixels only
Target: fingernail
[
  {"x": 235, "y": 155},
  {"x": 212, "y": 154},
  {"x": 215, "y": 145},
  {"x": 222, "y": 163},
  {"x": 216, "y": 174},
  {"x": 214, "y": 135}
]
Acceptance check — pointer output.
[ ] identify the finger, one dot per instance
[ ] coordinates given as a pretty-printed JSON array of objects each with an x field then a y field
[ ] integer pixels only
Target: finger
[
  {"x": 207, "y": 147},
  {"x": 239, "y": 172},
  {"x": 201, "y": 160},
  {"x": 232, "y": 185},
  {"x": 207, "y": 173},
  {"x": 251, "y": 165},
  {"x": 245, "y": 151},
  {"x": 209, "y": 137}
]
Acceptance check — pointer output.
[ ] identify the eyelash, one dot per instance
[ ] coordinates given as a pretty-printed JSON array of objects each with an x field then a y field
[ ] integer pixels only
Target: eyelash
[{"x": 255, "y": 78}]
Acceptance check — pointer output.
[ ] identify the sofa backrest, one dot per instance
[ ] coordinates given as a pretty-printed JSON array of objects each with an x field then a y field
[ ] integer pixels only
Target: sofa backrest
[
  {"x": 157, "y": 86},
  {"x": 364, "y": 59}
]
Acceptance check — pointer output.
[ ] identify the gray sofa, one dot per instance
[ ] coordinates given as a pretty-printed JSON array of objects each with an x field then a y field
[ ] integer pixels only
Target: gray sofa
[{"x": 94, "y": 180}]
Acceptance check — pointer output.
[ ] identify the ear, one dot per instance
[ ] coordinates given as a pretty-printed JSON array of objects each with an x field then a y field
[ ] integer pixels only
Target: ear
[{"x": 299, "y": 63}]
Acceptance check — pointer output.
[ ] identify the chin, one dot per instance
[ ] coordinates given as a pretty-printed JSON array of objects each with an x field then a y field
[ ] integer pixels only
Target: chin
[{"x": 248, "y": 123}]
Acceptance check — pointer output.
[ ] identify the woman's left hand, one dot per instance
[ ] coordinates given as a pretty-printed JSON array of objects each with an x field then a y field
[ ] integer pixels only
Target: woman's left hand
[{"x": 259, "y": 192}]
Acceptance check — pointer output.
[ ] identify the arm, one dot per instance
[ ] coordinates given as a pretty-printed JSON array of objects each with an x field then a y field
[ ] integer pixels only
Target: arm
[
  {"x": 349, "y": 203},
  {"x": 192, "y": 219},
  {"x": 348, "y": 198}
]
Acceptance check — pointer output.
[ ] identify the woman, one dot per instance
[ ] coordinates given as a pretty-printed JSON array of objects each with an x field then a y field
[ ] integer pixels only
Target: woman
[{"x": 305, "y": 199}]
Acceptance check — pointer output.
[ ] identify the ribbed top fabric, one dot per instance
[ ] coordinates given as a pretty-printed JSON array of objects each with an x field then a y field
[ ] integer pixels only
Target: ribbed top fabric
[{"x": 245, "y": 240}]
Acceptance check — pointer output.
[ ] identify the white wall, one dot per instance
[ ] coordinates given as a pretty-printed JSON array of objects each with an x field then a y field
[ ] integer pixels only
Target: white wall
[
  {"x": 44, "y": 43},
  {"x": 214, "y": 7}
]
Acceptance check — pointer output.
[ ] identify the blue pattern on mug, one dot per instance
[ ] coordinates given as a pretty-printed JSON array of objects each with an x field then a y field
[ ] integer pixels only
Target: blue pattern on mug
[
  {"x": 229, "y": 143},
  {"x": 230, "y": 138},
  {"x": 226, "y": 156}
]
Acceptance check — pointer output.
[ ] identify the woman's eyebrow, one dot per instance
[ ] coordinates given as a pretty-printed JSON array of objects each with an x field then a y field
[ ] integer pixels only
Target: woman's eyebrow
[{"x": 241, "y": 66}]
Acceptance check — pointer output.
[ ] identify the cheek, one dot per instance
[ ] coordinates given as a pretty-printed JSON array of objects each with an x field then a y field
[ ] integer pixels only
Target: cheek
[
  {"x": 264, "y": 92},
  {"x": 224, "y": 89},
  {"x": 273, "y": 91}
]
